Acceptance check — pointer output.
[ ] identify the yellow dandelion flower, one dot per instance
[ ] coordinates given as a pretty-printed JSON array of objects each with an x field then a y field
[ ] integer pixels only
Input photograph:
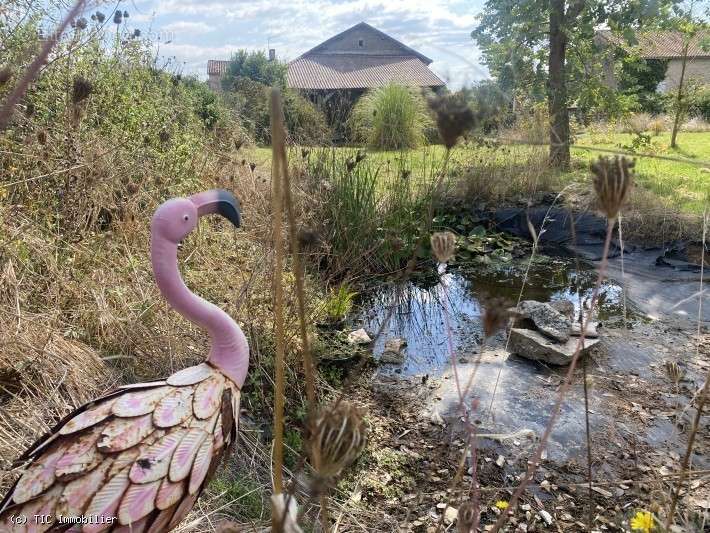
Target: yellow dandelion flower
[
  {"x": 642, "y": 521},
  {"x": 502, "y": 504}
]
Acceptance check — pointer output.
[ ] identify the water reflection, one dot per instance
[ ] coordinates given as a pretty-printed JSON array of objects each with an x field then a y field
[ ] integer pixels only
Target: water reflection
[{"x": 417, "y": 314}]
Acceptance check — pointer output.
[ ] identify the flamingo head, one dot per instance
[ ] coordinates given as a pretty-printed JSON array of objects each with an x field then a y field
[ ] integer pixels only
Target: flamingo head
[{"x": 177, "y": 217}]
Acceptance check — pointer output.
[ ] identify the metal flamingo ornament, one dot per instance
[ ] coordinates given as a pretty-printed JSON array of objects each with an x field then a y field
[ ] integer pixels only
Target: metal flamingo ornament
[{"x": 137, "y": 459}]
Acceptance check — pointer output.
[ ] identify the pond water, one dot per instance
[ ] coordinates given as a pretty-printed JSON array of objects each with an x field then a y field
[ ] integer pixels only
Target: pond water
[{"x": 417, "y": 309}]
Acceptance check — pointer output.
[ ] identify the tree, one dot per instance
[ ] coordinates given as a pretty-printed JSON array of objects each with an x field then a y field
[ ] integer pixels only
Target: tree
[
  {"x": 519, "y": 37},
  {"x": 256, "y": 67}
]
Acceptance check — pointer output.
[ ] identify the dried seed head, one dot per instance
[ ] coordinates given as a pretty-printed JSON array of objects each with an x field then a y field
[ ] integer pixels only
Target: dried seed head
[
  {"x": 81, "y": 89},
  {"x": 117, "y": 17},
  {"x": 307, "y": 238},
  {"x": 336, "y": 437},
  {"x": 350, "y": 164},
  {"x": 495, "y": 315},
  {"x": 675, "y": 373},
  {"x": 453, "y": 117},
  {"x": 136, "y": 33},
  {"x": 360, "y": 156},
  {"x": 100, "y": 17},
  {"x": 406, "y": 173},
  {"x": 42, "y": 137},
  {"x": 5, "y": 75},
  {"x": 443, "y": 245},
  {"x": 252, "y": 166},
  {"x": 305, "y": 152},
  {"x": 82, "y": 23},
  {"x": 238, "y": 143},
  {"x": 466, "y": 517},
  {"x": 164, "y": 136},
  {"x": 612, "y": 179}
]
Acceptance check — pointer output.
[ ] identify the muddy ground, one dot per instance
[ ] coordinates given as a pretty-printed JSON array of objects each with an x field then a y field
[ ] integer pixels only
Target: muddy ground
[{"x": 639, "y": 421}]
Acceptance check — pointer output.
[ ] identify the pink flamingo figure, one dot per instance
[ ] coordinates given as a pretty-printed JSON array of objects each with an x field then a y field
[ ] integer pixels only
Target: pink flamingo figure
[{"x": 137, "y": 459}]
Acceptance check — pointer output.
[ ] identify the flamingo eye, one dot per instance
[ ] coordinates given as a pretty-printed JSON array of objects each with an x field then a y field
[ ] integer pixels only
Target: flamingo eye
[{"x": 186, "y": 218}]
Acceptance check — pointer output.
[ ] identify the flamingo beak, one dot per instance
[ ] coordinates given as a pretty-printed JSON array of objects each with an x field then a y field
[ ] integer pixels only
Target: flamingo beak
[{"x": 218, "y": 201}]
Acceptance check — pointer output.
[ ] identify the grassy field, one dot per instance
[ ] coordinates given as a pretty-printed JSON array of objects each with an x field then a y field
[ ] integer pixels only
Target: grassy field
[{"x": 684, "y": 186}]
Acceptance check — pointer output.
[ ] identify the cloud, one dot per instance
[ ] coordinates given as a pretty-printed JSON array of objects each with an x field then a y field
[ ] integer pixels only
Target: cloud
[{"x": 187, "y": 27}]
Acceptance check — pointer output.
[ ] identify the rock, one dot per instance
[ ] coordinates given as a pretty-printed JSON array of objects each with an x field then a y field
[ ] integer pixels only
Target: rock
[
  {"x": 359, "y": 336},
  {"x": 450, "y": 515},
  {"x": 532, "y": 345},
  {"x": 394, "y": 351},
  {"x": 546, "y": 319},
  {"x": 591, "y": 333},
  {"x": 564, "y": 307},
  {"x": 547, "y": 517}
]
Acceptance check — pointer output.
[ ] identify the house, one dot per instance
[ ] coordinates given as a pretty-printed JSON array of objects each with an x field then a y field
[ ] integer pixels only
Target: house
[
  {"x": 349, "y": 63},
  {"x": 665, "y": 46}
]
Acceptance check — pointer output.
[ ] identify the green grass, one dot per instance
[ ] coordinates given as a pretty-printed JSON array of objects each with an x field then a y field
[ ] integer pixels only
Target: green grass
[{"x": 683, "y": 186}]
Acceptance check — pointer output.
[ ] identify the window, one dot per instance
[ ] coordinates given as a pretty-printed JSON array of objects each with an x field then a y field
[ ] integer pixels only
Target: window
[{"x": 360, "y": 43}]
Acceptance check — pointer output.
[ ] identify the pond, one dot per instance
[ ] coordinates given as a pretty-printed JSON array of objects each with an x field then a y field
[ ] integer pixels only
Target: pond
[{"x": 417, "y": 309}]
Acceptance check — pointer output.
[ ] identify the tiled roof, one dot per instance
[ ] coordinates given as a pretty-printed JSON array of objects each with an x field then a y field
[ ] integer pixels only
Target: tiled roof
[
  {"x": 355, "y": 71},
  {"x": 663, "y": 44},
  {"x": 216, "y": 66}
]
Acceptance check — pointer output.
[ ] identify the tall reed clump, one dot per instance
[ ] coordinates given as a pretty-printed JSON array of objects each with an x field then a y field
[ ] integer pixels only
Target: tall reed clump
[
  {"x": 392, "y": 117},
  {"x": 366, "y": 208}
]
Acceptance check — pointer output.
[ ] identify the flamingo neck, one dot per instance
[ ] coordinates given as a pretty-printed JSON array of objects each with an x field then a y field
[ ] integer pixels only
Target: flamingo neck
[{"x": 229, "y": 351}]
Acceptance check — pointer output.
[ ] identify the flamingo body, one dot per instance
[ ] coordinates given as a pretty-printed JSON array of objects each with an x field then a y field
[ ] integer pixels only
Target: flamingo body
[{"x": 138, "y": 458}]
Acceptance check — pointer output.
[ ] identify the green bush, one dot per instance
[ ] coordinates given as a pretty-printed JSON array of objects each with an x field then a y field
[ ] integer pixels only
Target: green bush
[
  {"x": 256, "y": 67},
  {"x": 700, "y": 104},
  {"x": 305, "y": 123},
  {"x": 392, "y": 117}
]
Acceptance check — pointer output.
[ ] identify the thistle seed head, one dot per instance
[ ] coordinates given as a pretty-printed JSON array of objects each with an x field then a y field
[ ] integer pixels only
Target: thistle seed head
[
  {"x": 495, "y": 315},
  {"x": 443, "y": 245},
  {"x": 337, "y": 435},
  {"x": 117, "y": 17},
  {"x": 81, "y": 89},
  {"x": 466, "y": 517},
  {"x": 100, "y": 17},
  {"x": 612, "y": 179},
  {"x": 82, "y": 23},
  {"x": 5, "y": 75},
  {"x": 453, "y": 118},
  {"x": 252, "y": 166}
]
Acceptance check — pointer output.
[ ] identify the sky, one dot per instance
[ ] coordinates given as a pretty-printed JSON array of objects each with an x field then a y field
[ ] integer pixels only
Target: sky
[{"x": 193, "y": 31}]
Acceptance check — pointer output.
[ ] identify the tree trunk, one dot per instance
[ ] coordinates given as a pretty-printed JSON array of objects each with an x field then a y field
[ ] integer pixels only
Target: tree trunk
[
  {"x": 679, "y": 97},
  {"x": 557, "y": 88}
]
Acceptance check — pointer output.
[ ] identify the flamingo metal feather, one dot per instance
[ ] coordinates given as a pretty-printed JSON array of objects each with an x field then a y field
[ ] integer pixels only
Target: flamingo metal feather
[{"x": 138, "y": 458}]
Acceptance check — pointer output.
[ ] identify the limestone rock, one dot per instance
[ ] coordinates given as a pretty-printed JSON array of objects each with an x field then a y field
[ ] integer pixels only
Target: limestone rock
[
  {"x": 591, "y": 333},
  {"x": 359, "y": 336},
  {"x": 394, "y": 351},
  {"x": 532, "y": 345},
  {"x": 565, "y": 307},
  {"x": 546, "y": 319}
]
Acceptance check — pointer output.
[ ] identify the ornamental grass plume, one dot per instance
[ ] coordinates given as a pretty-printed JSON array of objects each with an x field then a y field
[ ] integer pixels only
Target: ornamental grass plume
[
  {"x": 337, "y": 435},
  {"x": 612, "y": 179},
  {"x": 453, "y": 118},
  {"x": 443, "y": 245}
]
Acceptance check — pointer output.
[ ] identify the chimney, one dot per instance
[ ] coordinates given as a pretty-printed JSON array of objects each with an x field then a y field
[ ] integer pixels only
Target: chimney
[{"x": 272, "y": 54}]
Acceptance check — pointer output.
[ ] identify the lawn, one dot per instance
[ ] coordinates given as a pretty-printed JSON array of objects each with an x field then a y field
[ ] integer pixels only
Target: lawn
[{"x": 683, "y": 186}]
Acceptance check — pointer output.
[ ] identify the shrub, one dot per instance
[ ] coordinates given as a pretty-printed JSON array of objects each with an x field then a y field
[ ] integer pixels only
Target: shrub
[
  {"x": 256, "y": 67},
  {"x": 306, "y": 124},
  {"x": 392, "y": 117},
  {"x": 700, "y": 104},
  {"x": 637, "y": 123}
]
